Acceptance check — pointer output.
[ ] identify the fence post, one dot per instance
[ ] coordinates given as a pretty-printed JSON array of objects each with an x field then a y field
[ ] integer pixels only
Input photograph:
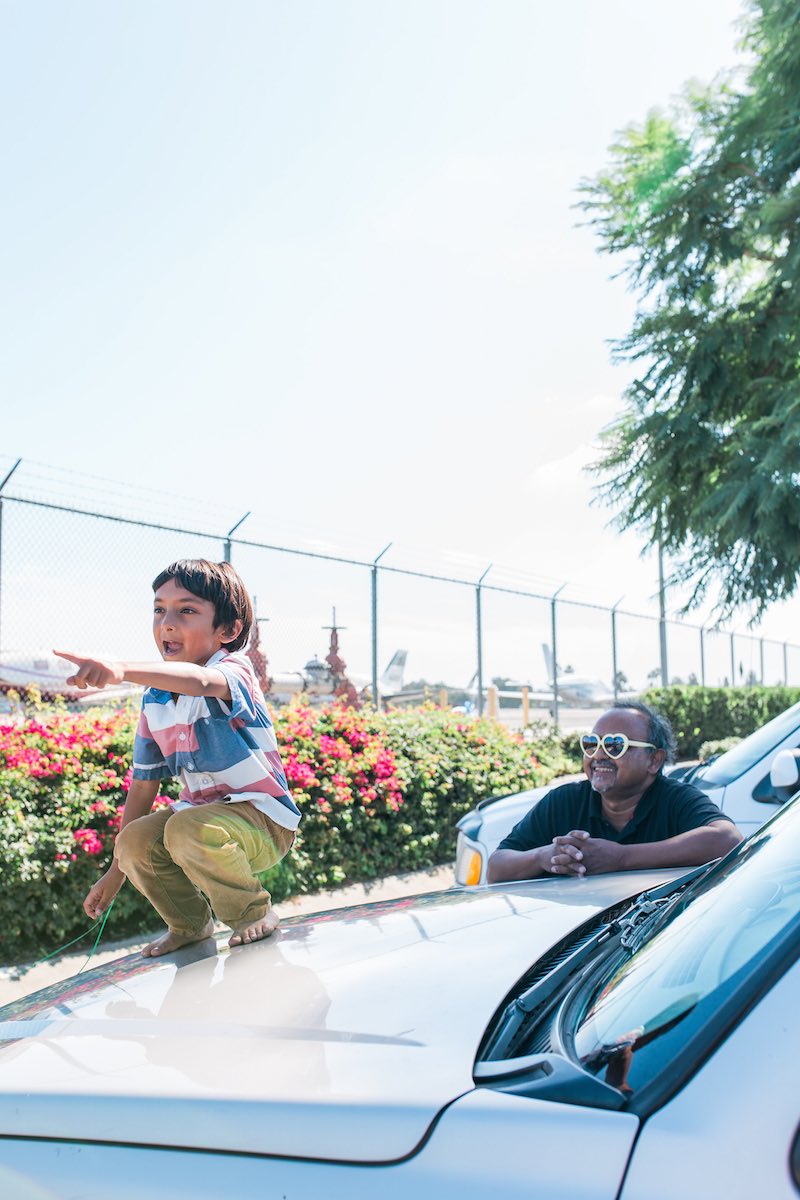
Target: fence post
[
  {"x": 702, "y": 657},
  {"x": 226, "y": 557},
  {"x": 2, "y": 485},
  {"x": 615, "y": 672},
  {"x": 374, "y": 573},
  {"x": 761, "y": 656},
  {"x": 662, "y": 619},
  {"x": 785, "y": 667},
  {"x": 479, "y": 636},
  {"x": 554, "y": 650},
  {"x": 733, "y": 663}
]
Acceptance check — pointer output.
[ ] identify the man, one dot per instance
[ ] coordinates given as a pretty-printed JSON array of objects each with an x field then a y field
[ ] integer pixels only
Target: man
[{"x": 626, "y": 816}]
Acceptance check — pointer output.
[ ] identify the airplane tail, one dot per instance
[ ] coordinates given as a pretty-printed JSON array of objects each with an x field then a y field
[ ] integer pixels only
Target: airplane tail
[
  {"x": 548, "y": 659},
  {"x": 392, "y": 677}
]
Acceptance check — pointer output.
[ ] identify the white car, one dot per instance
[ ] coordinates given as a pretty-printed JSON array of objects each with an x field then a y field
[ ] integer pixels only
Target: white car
[
  {"x": 738, "y": 782},
  {"x": 545, "y": 1038}
]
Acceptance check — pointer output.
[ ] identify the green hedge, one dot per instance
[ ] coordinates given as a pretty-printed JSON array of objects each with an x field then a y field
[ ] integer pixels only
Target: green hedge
[
  {"x": 380, "y": 793},
  {"x": 700, "y": 715}
]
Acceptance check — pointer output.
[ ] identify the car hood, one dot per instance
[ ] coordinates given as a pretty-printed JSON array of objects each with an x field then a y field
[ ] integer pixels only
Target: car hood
[{"x": 341, "y": 1037}]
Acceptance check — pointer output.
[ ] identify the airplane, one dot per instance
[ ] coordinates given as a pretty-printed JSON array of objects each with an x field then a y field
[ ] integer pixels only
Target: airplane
[
  {"x": 511, "y": 694},
  {"x": 45, "y": 671},
  {"x": 583, "y": 691},
  {"x": 580, "y": 691}
]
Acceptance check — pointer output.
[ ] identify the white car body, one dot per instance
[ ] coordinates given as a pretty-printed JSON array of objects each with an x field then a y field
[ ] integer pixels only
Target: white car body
[
  {"x": 350, "y": 1056},
  {"x": 738, "y": 782},
  {"x": 343, "y": 1040}
]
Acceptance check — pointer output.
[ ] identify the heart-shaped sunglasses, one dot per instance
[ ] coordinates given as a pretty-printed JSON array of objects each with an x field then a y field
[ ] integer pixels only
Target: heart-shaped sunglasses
[{"x": 614, "y": 744}]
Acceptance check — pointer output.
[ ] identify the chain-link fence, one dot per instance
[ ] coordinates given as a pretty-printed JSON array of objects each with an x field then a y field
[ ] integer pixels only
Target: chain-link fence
[{"x": 77, "y": 579}]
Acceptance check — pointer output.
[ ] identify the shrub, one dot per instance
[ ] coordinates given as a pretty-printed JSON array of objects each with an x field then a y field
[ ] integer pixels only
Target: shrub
[
  {"x": 379, "y": 793},
  {"x": 558, "y": 753},
  {"x": 699, "y": 714},
  {"x": 382, "y": 792},
  {"x": 710, "y": 750},
  {"x": 62, "y": 787}
]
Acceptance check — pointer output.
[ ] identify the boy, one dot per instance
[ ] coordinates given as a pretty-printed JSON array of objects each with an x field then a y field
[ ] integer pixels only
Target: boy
[{"x": 204, "y": 719}]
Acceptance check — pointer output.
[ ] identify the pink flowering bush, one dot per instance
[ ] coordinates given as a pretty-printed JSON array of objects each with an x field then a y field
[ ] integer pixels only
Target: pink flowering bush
[
  {"x": 63, "y": 781},
  {"x": 349, "y": 785},
  {"x": 379, "y": 792}
]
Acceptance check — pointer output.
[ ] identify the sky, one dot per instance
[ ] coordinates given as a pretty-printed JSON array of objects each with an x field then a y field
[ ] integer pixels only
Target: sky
[{"x": 321, "y": 261}]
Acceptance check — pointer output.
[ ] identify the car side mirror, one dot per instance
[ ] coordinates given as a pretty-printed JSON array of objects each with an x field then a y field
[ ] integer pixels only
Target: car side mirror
[{"x": 784, "y": 774}]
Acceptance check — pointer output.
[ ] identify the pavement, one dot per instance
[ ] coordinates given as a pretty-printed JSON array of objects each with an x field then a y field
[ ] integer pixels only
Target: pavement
[
  {"x": 570, "y": 720},
  {"x": 21, "y": 980}
]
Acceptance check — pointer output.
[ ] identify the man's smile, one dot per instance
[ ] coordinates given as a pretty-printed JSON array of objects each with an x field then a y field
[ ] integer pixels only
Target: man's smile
[{"x": 603, "y": 772}]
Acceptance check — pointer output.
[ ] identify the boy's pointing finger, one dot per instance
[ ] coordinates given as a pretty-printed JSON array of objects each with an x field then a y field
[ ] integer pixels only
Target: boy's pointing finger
[
  {"x": 69, "y": 657},
  {"x": 78, "y": 679}
]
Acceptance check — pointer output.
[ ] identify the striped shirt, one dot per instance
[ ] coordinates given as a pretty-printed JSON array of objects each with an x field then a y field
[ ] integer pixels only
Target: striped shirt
[{"x": 219, "y": 751}]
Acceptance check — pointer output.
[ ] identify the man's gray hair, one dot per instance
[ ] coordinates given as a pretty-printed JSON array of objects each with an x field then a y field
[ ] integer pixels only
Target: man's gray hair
[{"x": 659, "y": 730}]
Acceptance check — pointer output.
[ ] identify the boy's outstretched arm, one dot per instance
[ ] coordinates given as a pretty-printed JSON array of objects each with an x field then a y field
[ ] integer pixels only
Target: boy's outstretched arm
[
  {"x": 139, "y": 802},
  {"x": 186, "y": 679}
]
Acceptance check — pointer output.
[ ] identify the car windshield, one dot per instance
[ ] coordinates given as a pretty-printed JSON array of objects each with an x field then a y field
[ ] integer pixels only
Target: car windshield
[
  {"x": 750, "y": 750},
  {"x": 635, "y": 1021}
]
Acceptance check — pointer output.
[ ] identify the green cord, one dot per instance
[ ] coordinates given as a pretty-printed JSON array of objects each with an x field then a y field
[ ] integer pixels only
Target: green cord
[
  {"x": 79, "y": 938},
  {"x": 53, "y": 953},
  {"x": 99, "y": 935}
]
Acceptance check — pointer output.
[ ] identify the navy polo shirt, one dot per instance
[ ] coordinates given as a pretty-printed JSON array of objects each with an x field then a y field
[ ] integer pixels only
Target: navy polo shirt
[{"x": 666, "y": 809}]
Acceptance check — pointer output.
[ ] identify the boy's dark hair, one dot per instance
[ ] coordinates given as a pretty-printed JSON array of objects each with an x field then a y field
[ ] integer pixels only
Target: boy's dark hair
[{"x": 219, "y": 583}]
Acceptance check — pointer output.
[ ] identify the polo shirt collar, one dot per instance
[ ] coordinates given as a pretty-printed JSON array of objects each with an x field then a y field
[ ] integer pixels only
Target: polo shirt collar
[{"x": 641, "y": 812}]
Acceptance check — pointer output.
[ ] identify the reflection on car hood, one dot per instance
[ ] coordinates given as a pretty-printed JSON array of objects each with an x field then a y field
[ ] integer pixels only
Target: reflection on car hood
[{"x": 342, "y": 1037}]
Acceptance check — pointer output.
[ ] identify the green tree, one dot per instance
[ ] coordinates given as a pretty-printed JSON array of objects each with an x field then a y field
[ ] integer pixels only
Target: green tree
[{"x": 704, "y": 203}]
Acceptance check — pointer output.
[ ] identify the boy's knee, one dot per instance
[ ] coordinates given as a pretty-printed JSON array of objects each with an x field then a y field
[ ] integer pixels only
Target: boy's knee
[
  {"x": 131, "y": 842},
  {"x": 187, "y": 830}
]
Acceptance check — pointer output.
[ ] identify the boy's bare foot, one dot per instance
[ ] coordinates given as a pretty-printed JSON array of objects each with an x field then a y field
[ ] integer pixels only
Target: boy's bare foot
[
  {"x": 256, "y": 930},
  {"x": 170, "y": 941}
]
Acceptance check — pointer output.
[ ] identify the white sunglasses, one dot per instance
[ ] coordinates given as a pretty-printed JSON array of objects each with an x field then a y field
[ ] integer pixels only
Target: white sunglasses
[{"x": 614, "y": 744}]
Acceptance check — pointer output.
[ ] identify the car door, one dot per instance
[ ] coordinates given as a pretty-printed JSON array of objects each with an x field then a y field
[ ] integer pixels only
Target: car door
[{"x": 750, "y": 799}]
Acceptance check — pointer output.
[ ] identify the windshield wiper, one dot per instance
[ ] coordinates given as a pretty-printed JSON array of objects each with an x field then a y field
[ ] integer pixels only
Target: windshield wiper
[
  {"x": 543, "y": 992},
  {"x": 681, "y": 883},
  {"x": 653, "y": 907},
  {"x": 629, "y": 930},
  {"x": 637, "y": 927}
]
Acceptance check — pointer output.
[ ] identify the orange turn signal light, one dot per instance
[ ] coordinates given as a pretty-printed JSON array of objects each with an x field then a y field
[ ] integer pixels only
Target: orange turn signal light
[{"x": 473, "y": 869}]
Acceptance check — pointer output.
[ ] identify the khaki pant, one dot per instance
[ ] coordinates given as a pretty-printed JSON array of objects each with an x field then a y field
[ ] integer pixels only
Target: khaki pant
[{"x": 177, "y": 859}]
